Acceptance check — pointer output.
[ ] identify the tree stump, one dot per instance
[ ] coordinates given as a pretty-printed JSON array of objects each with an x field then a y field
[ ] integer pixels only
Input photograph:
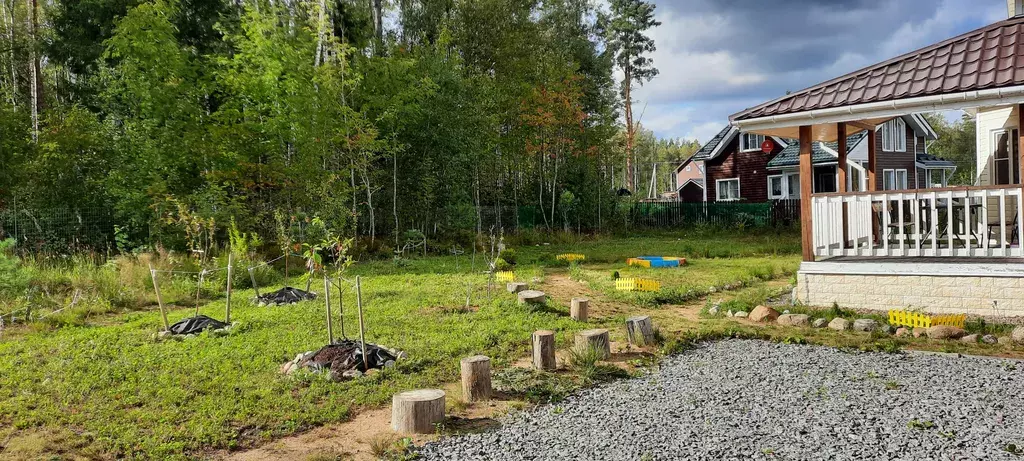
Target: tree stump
[
  {"x": 544, "y": 350},
  {"x": 640, "y": 330},
  {"x": 516, "y": 287},
  {"x": 532, "y": 297},
  {"x": 597, "y": 339},
  {"x": 579, "y": 309},
  {"x": 476, "y": 378},
  {"x": 416, "y": 412}
]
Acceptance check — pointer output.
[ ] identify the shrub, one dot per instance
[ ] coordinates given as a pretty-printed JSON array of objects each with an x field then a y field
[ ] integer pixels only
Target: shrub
[
  {"x": 509, "y": 255},
  {"x": 13, "y": 277}
]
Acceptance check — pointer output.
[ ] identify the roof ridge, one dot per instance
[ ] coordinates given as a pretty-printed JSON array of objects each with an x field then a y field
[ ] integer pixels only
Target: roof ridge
[{"x": 865, "y": 70}]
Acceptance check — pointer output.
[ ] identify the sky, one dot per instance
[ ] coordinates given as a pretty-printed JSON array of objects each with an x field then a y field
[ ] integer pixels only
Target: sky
[{"x": 718, "y": 57}]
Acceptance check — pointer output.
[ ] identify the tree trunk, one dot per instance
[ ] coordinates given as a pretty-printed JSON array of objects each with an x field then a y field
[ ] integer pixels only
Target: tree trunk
[
  {"x": 394, "y": 195},
  {"x": 9, "y": 27},
  {"x": 596, "y": 339},
  {"x": 640, "y": 330},
  {"x": 626, "y": 91},
  {"x": 416, "y": 412},
  {"x": 476, "y": 378},
  {"x": 369, "y": 203},
  {"x": 579, "y": 308},
  {"x": 36, "y": 86},
  {"x": 544, "y": 350},
  {"x": 377, "y": 6}
]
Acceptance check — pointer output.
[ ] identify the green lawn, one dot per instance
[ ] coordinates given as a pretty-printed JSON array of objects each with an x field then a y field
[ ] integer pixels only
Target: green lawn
[{"x": 107, "y": 389}]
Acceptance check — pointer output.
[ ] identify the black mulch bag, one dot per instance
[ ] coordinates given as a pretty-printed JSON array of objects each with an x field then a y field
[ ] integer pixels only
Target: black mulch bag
[
  {"x": 194, "y": 325},
  {"x": 286, "y": 295},
  {"x": 347, "y": 355}
]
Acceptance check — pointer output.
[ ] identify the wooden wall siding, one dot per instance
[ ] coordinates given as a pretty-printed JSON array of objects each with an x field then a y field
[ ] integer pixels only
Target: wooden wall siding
[
  {"x": 750, "y": 167},
  {"x": 898, "y": 160}
]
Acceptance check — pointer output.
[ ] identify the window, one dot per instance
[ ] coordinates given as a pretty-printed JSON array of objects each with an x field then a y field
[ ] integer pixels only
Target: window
[
  {"x": 825, "y": 180},
  {"x": 894, "y": 135},
  {"x": 1005, "y": 158},
  {"x": 727, "y": 189},
  {"x": 751, "y": 142},
  {"x": 777, "y": 187},
  {"x": 687, "y": 167},
  {"x": 894, "y": 179},
  {"x": 793, "y": 185}
]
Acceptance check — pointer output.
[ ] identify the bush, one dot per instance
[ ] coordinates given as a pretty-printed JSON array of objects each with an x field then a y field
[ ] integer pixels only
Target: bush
[
  {"x": 13, "y": 277},
  {"x": 509, "y": 255}
]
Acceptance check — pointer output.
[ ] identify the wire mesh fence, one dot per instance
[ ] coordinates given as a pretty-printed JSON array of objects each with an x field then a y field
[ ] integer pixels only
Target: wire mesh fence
[
  {"x": 57, "y": 229},
  {"x": 666, "y": 215}
]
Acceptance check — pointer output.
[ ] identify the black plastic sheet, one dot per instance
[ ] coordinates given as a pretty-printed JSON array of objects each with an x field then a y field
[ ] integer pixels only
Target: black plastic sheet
[
  {"x": 195, "y": 325},
  {"x": 286, "y": 295}
]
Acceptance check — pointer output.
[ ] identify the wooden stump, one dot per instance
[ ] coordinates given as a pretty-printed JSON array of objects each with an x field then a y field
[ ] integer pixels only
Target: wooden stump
[
  {"x": 416, "y": 412},
  {"x": 476, "y": 378},
  {"x": 597, "y": 339},
  {"x": 579, "y": 309},
  {"x": 640, "y": 330},
  {"x": 532, "y": 297},
  {"x": 544, "y": 350},
  {"x": 516, "y": 287}
]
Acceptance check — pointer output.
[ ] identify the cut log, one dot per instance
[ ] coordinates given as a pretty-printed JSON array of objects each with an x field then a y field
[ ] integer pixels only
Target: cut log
[
  {"x": 476, "y": 378},
  {"x": 544, "y": 350},
  {"x": 640, "y": 330},
  {"x": 516, "y": 287},
  {"x": 579, "y": 309},
  {"x": 597, "y": 339},
  {"x": 532, "y": 297},
  {"x": 416, "y": 412}
]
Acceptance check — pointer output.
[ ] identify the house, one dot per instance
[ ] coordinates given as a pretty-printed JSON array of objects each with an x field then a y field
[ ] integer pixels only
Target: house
[
  {"x": 940, "y": 249},
  {"x": 738, "y": 168},
  {"x": 690, "y": 181}
]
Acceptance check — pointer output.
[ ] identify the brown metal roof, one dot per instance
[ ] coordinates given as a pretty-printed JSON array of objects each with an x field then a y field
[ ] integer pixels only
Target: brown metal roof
[{"x": 990, "y": 57}]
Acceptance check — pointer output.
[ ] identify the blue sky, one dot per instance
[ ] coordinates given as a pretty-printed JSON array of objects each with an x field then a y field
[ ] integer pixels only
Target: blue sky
[{"x": 718, "y": 57}]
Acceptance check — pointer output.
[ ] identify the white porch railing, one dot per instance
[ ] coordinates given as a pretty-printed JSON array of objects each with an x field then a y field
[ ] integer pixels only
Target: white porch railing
[{"x": 977, "y": 221}]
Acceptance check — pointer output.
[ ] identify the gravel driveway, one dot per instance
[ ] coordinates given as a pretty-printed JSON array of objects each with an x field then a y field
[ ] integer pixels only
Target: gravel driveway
[{"x": 741, "y": 399}]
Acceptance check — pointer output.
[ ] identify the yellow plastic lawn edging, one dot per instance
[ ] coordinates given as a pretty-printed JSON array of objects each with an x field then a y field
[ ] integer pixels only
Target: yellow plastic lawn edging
[
  {"x": 919, "y": 320},
  {"x": 571, "y": 257},
  {"x": 505, "y": 276},
  {"x": 637, "y": 284}
]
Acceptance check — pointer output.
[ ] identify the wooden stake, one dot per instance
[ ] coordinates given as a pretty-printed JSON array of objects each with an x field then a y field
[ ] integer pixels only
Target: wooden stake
[
  {"x": 327, "y": 302},
  {"x": 341, "y": 307},
  {"x": 159, "y": 299},
  {"x": 544, "y": 350},
  {"x": 362, "y": 336},
  {"x": 476, "y": 378},
  {"x": 252, "y": 277},
  {"x": 309, "y": 276},
  {"x": 416, "y": 412},
  {"x": 199, "y": 287},
  {"x": 231, "y": 273}
]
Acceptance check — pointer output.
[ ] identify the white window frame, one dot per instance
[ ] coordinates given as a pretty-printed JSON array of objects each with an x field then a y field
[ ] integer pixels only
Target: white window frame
[
  {"x": 718, "y": 190},
  {"x": 745, "y": 142},
  {"x": 782, "y": 186},
  {"x": 896, "y": 183},
  {"x": 894, "y": 135},
  {"x": 1012, "y": 162}
]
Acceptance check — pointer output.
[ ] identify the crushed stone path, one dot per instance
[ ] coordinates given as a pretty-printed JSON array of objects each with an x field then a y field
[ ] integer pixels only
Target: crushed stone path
[{"x": 744, "y": 399}]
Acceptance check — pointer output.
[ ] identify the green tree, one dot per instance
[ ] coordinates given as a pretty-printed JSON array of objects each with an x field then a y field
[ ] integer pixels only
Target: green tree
[{"x": 957, "y": 143}]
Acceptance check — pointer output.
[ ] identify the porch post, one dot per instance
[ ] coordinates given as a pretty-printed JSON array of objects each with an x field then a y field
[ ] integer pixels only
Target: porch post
[
  {"x": 806, "y": 184},
  {"x": 872, "y": 180},
  {"x": 1020, "y": 165},
  {"x": 842, "y": 170}
]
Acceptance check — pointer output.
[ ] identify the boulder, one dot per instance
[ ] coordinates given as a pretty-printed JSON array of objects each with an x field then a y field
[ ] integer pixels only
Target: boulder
[
  {"x": 970, "y": 339},
  {"x": 819, "y": 323},
  {"x": 945, "y": 332},
  {"x": 713, "y": 310},
  {"x": 839, "y": 324},
  {"x": 887, "y": 329},
  {"x": 989, "y": 339},
  {"x": 867, "y": 325},
  {"x": 919, "y": 332},
  {"x": 902, "y": 331},
  {"x": 1018, "y": 335},
  {"x": 516, "y": 287},
  {"x": 763, "y": 314},
  {"x": 740, "y": 315},
  {"x": 730, "y": 313},
  {"x": 794, "y": 320},
  {"x": 532, "y": 297}
]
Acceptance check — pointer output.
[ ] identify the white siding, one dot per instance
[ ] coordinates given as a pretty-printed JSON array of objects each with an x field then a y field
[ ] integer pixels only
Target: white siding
[{"x": 991, "y": 119}]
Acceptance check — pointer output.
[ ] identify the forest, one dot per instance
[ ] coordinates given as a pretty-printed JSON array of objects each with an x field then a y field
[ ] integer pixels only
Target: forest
[{"x": 172, "y": 121}]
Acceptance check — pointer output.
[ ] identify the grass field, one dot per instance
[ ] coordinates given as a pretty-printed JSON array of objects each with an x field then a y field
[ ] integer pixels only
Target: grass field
[{"x": 102, "y": 387}]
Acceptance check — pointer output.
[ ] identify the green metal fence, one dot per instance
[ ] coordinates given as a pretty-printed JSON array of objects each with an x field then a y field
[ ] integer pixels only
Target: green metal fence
[{"x": 664, "y": 215}]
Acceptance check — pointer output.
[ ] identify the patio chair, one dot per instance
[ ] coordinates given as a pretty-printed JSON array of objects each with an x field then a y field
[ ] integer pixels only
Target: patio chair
[
  {"x": 894, "y": 228},
  {"x": 1014, "y": 231}
]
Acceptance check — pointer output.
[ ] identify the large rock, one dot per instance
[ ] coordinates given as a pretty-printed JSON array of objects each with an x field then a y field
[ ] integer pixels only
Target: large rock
[
  {"x": 763, "y": 314},
  {"x": 819, "y": 323},
  {"x": 867, "y": 325},
  {"x": 1018, "y": 335},
  {"x": 902, "y": 331},
  {"x": 887, "y": 329},
  {"x": 989, "y": 339},
  {"x": 839, "y": 324},
  {"x": 945, "y": 332},
  {"x": 532, "y": 297},
  {"x": 970, "y": 339},
  {"x": 516, "y": 287},
  {"x": 740, "y": 314},
  {"x": 919, "y": 332},
  {"x": 794, "y": 320}
]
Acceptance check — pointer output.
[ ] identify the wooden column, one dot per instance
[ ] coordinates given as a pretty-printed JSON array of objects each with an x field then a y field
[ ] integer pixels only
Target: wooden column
[
  {"x": 806, "y": 186},
  {"x": 872, "y": 180},
  {"x": 1020, "y": 142},
  {"x": 843, "y": 176}
]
